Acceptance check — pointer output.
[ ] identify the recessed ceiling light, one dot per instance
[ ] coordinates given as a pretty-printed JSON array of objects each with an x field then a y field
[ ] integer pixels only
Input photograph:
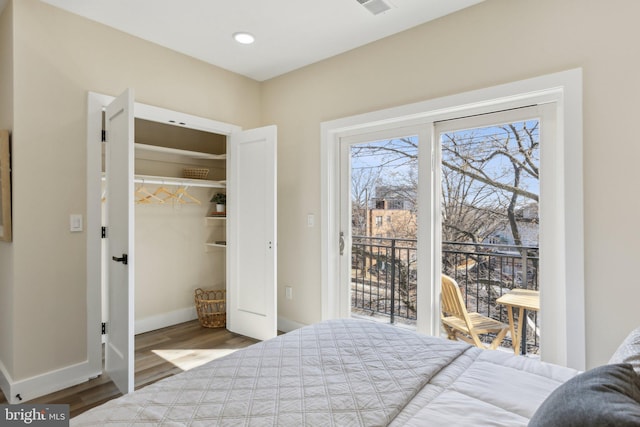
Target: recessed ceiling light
[{"x": 244, "y": 38}]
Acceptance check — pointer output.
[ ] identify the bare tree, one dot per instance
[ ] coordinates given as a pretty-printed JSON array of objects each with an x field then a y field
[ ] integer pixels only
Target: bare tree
[
  {"x": 363, "y": 180},
  {"x": 485, "y": 174},
  {"x": 502, "y": 158},
  {"x": 470, "y": 213}
]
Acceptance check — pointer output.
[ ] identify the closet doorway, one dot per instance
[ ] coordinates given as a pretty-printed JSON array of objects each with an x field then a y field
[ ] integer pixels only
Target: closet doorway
[{"x": 137, "y": 165}]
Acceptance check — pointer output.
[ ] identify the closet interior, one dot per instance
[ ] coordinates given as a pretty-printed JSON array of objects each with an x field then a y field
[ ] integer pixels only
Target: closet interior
[{"x": 180, "y": 238}]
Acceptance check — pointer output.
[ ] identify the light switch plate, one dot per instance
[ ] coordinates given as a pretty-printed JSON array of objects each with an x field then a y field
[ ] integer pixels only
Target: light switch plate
[{"x": 75, "y": 223}]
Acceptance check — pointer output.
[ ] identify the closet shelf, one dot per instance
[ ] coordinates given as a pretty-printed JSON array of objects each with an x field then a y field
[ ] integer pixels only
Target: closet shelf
[
  {"x": 152, "y": 151},
  {"x": 215, "y": 217}
]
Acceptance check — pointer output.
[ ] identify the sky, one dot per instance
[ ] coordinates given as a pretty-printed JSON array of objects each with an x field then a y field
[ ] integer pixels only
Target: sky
[{"x": 398, "y": 156}]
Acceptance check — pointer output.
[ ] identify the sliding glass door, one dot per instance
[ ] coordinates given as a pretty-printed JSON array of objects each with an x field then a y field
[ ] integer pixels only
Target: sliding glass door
[
  {"x": 381, "y": 174},
  {"x": 490, "y": 216}
]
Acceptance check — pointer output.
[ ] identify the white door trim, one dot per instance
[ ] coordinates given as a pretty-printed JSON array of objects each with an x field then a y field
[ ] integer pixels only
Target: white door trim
[{"x": 565, "y": 90}]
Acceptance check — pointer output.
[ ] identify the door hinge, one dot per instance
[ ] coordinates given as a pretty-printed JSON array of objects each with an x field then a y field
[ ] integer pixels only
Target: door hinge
[
  {"x": 104, "y": 136},
  {"x": 104, "y": 328},
  {"x": 104, "y": 233}
]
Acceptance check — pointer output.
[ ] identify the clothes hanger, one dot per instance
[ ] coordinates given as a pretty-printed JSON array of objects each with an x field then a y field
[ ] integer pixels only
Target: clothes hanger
[
  {"x": 145, "y": 196},
  {"x": 182, "y": 191},
  {"x": 169, "y": 195}
]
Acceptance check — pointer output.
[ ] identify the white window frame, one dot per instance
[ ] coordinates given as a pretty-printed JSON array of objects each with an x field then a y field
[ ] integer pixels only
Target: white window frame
[{"x": 567, "y": 345}]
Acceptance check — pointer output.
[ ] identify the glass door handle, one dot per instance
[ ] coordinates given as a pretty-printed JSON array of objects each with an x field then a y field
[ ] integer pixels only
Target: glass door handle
[{"x": 124, "y": 259}]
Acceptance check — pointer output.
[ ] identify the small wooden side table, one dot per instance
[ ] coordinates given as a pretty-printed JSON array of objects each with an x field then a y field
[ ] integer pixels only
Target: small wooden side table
[{"x": 522, "y": 299}]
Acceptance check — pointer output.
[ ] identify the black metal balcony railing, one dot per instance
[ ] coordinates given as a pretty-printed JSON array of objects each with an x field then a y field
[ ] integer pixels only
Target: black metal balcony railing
[{"x": 384, "y": 277}]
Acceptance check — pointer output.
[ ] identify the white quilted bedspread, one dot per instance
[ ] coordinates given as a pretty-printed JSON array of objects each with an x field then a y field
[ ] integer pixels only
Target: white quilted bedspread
[{"x": 334, "y": 373}]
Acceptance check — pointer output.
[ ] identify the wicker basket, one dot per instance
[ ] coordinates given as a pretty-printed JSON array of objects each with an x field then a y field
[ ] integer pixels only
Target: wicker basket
[
  {"x": 211, "y": 306},
  {"x": 195, "y": 173}
]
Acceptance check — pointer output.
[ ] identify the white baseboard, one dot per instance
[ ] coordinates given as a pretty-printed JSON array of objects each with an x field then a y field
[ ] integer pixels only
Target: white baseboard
[
  {"x": 40, "y": 385},
  {"x": 286, "y": 325},
  {"x": 165, "y": 319},
  {"x": 5, "y": 381}
]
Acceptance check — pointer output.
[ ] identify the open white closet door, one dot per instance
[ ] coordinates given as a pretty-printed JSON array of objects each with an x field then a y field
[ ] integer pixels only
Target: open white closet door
[
  {"x": 251, "y": 245},
  {"x": 119, "y": 154}
]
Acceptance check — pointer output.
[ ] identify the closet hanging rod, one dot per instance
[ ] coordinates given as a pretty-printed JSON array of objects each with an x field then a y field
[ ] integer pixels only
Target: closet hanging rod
[
  {"x": 148, "y": 179},
  {"x": 185, "y": 182}
]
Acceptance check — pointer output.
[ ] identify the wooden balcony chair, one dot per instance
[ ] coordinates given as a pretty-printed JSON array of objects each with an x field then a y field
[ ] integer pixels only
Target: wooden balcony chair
[{"x": 458, "y": 323}]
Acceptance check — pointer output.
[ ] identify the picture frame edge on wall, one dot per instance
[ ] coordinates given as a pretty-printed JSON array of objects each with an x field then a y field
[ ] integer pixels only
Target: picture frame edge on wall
[{"x": 5, "y": 186}]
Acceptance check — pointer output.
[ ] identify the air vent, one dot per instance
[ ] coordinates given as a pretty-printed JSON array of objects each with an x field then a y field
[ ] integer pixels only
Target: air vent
[{"x": 375, "y": 6}]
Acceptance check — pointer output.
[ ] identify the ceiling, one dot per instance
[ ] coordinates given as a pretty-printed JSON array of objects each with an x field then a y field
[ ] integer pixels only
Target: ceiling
[{"x": 289, "y": 33}]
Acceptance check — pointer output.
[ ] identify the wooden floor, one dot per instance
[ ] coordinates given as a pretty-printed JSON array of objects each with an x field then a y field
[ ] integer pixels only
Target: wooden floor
[{"x": 159, "y": 354}]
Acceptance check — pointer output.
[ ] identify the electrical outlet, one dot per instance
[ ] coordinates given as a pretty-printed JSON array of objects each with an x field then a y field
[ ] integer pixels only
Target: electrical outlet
[{"x": 288, "y": 292}]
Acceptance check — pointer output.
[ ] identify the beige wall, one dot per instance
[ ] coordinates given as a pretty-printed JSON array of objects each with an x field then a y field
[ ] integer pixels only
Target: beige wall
[
  {"x": 6, "y": 249},
  {"x": 171, "y": 260},
  {"x": 6, "y": 67},
  {"x": 496, "y": 42},
  {"x": 58, "y": 58}
]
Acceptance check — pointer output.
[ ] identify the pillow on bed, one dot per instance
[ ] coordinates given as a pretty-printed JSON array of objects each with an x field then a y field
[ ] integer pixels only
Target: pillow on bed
[
  {"x": 608, "y": 395},
  {"x": 629, "y": 351}
]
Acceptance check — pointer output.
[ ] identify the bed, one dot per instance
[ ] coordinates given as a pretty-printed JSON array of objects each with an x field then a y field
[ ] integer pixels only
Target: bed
[{"x": 346, "y": 373}]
